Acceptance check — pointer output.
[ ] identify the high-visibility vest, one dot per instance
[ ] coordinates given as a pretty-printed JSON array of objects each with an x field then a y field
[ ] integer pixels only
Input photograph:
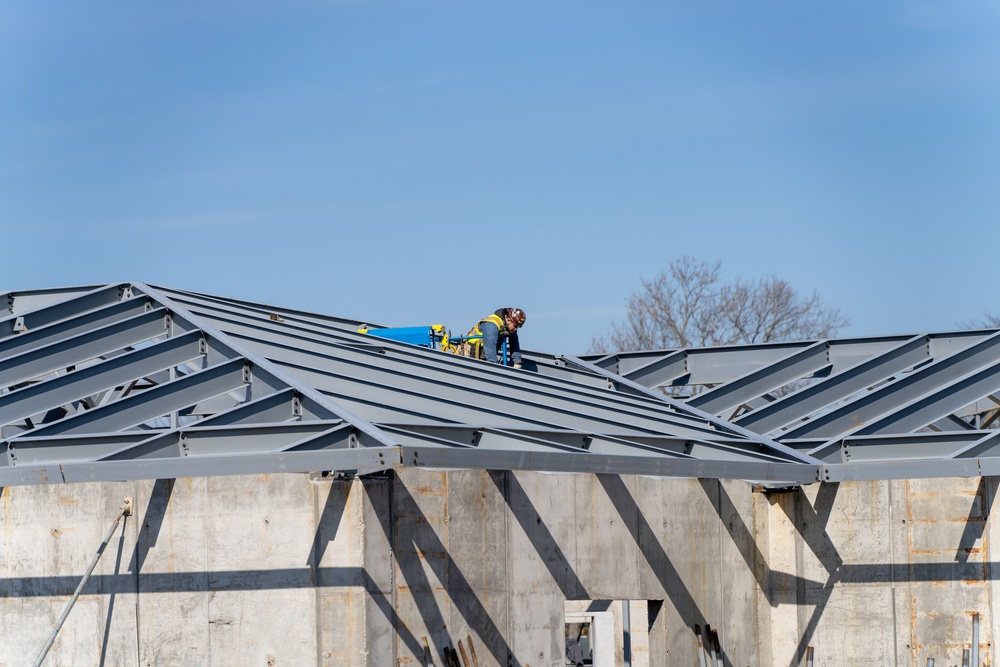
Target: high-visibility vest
[{"x": 477, "y": 343}]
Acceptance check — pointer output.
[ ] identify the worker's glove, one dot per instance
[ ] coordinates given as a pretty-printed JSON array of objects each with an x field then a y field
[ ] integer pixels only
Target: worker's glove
[{"x": 517, "y": 365}]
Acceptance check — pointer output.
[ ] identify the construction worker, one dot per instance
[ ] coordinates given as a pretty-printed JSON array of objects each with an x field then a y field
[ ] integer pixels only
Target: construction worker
[{"x": 502, "y": 324}]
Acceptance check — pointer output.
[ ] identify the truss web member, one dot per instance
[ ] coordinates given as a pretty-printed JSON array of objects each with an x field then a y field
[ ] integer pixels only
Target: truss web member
[{"x": 494, "y": 329}]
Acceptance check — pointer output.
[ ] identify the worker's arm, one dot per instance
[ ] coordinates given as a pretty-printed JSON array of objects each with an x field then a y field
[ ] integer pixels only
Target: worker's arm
[{"x": 491, "y": 333}]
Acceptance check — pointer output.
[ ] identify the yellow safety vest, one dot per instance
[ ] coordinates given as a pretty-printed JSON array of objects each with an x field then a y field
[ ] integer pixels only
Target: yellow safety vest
[{"x": 477, "y": 343}]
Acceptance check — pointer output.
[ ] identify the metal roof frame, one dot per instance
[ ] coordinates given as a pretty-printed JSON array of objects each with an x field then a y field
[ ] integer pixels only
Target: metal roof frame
[{"x": 132, "y": 381}]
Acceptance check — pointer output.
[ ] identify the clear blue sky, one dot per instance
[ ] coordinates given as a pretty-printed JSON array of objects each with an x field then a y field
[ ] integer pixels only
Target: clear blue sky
[{"x": 422, "y": 162}]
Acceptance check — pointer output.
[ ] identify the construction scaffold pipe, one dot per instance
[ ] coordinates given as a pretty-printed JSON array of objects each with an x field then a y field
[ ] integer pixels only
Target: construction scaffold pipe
[{"x": 125, "y": 511}]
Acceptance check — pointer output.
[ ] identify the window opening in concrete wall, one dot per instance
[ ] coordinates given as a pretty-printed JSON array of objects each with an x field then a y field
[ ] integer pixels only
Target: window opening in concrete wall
[{"x": 607, "y": 633}]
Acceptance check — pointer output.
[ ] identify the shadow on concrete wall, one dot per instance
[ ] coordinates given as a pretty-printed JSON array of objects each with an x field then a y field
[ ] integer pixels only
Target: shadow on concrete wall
[
  {"x": 975, "y": 524},
  {"x": 113, "y": 592},
  {"x": 810, "y": 520},
  {"x": 435, "y": 555},
  {"x": 530, "y": 519},
  {"x": 652, "y": 550}
]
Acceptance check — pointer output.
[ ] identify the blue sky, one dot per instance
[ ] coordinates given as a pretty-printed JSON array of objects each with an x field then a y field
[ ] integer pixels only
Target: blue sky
[{"x": 427, "y": 162}]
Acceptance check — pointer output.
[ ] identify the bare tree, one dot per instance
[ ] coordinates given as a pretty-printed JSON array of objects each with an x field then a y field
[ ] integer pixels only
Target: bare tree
[
  {"x": 689, "y": 306},
  {"x": 987, "y": 321}
]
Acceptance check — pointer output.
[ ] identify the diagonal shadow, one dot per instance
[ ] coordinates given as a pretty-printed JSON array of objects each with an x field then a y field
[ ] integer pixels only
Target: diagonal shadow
[
  {"x": 651, "y": 549},
  {"x": 528, "y": 517},
  {"x": 410, "y": 570},
  {"x": 772, "y": 583},
  {"x": 462, "y": 593},
  {"x": 327, "y": 525},
  {"x": 975, "y": 524},
  {"x": 810, "y": 522},
  {"x": 113, "y": 593},
  {"x": 152, "y": 522}
]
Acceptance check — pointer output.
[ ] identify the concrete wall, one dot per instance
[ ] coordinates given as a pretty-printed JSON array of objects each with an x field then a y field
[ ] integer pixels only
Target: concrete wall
[
  {"x": 291, "y": 570},
  {"x": 877, "y": 573}
]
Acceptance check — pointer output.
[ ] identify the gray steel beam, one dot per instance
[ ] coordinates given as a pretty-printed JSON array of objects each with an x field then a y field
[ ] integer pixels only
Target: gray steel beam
[
  {"x": 57, "y": 356},
  {"x": 64, "y": 389},
  {"x": 367, "y": 458},
  {"x": 28, "y": 451},
  {"x": 203, "y": 305},
  {"x": 901, "y": 446},
  {"x": 805, "y": 402},
  {"x": 928, "y": 469},
  {"x": 18, "y": 302},
  {"x": 449, "y": 457},
  {"x": 383, "y": 402},
  {"x": 260, "y": 362},
  {"x": 945, "y": 400},
  {"x": 800, "y": 363},
  {"x": 259, "y": 438},
  {"x": 715, "y": 365},
  {"x": 735, "y": 449},
  {"x": 769, "y": 445},
  {"x": 858, "y": 449},
  {"x": 256, "y": 325},
  {"x": 152, "y": 403},
  {"x": 297, "y": 348},
  {"x": 662, "y": 371},
  {"x": 467, "y": 383},
  {"x": 71, "y": 307},
  {"x": 64, "y": 329},
  {"x": 986, "y": 446},
  {"x": 899, "y": 392},
  {"x": 281, "y": 407}
]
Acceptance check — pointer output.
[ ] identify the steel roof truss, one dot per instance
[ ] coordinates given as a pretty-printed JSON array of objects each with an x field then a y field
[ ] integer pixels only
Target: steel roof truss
[
  {"x": 805, "y": 402},
  {"x": 155, "y": 402},
  {"x": 901, "y": 391},
  {"x": 91, "y": 380},
  {"x": 61, "y": 309},
  {"x": 79, "y": 349},
  {"x": 800, "y": 363}
]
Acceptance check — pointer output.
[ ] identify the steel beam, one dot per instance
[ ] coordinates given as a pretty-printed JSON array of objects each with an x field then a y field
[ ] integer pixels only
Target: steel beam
[
  {"x": 899, "y": 392},
  {"x": 770, "y": 445},
  {"x": 662, "y": 371},
  {"x": 74, "y": 326},
  {"x": 375, "y": 458},
  {"x": 152, "y": 403},
  {"x": 466, "y": 375},
  {"x": 84, "y": 347},
  {"x": 63, "y": 309},
  {"x": 64, "y": 389},
  {"x": 737, "y": 392},
  {"x": 805, "y": 402},
  {"x": 447, "y": 457},
  {"x": 450, "y": 389},
  {"x": 944, "y": 401},
  {"x": 262, "y": 363}
]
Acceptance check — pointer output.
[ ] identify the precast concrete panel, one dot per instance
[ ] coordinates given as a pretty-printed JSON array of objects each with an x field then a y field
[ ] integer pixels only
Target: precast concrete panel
[
  {"x": 308, "y": 570},
  {"x": 948, "y": 567}
]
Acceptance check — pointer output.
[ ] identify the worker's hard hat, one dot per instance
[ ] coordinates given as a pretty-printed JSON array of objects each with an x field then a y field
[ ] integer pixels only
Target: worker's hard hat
[{"x": 517, "y": 315}]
